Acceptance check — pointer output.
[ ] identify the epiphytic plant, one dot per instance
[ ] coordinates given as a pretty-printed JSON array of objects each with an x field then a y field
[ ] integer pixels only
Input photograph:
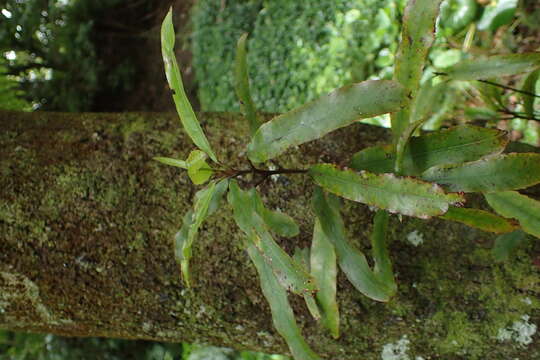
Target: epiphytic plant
[{"x": 421, "y": 176}]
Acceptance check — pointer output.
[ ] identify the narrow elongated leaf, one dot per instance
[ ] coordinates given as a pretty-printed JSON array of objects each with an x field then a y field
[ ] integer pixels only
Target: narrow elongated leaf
[
  {"x": 513, "y": 204},
  {"x": 181, "y": 238},
  {"x": 494, "y": 66},
  {"x": 381, "y": 256},
  {"x": 406, "y": 196},
  {"x": 174, "y": 78},
  {"x": 506, "y": 244},
  {"x": 340, "y": 108},
  {"x": 417, "y": 36},
  {"x": 529, "y": 86},
  {"x": 282, "y": 313},
  {"x": 351, "y": 261},
  {"x": 498, "y": 173},
  {"x": 242, "y": 86},
  {"x": 221, "y": 187},
  {"x": 301, "y": 256},
  {"x": 172, "y": 162},
  {"x": 455, "y": 145},
  {"x": 183, "y": 241},
  {"x": 480, "y": 219},
  {"x": 289, "y": 272},
  {"x": 324, "y": 270},
  {"x": 282, "y": 224}
]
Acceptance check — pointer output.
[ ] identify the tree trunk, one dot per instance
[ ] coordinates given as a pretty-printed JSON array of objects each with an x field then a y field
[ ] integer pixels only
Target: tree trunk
[{"x": 87, "y": 220}]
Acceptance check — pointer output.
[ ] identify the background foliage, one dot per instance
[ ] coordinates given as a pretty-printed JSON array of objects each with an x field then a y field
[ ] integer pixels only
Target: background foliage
[{"x": 297, "y": 50}]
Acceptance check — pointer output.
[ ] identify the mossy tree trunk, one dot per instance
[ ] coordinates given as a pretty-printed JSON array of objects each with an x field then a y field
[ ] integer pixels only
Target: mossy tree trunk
[{"x": 86, "y": 226}]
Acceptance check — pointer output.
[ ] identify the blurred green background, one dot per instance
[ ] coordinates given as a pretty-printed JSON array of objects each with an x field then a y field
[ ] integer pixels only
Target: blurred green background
[{"x": 103, "y": 55}]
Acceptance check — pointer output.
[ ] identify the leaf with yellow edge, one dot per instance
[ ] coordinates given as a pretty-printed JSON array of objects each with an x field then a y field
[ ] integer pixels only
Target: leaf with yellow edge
[
  {"x": 480, "y": 219},
  {"x": 515, "y": 205},
  {"x": 401, "y": 195},
  {"x": 198, "y": 170},
  {"x": 495, "y": 173}
]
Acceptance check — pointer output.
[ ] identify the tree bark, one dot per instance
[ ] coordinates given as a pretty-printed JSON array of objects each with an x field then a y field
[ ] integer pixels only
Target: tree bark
[{"x": 87, "y": 220}]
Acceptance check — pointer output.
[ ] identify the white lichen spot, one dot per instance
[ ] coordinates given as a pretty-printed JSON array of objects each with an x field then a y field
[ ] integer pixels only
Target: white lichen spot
[
  {"x": 527, "y": 301},
  {"x": 521, "y": 332},
  {"x": 415, "y": 238},
  {"x": 201, "y": 312},
  {"x": 23, "y": 291},
  {"x": 239, "y": 328},
  {"x": 397, "y": 350}
]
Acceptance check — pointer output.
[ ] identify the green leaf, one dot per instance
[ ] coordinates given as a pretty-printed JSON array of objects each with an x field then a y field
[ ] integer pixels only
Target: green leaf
[
  {"x": 402, "y": 195},
  {"x": 221, "y": 187},
  {"x": 174, "y": 78},
  {"x": 497, "y": 173},
  {"x": 301, "y": 256},
  {"x": 514, "y": 205},
  {"x": 324, "y": 270},
  {"x": 497, "y": 15},
  {"x": 480, "y": 219},
  {"x": 494, "y": 66},
  {"x": 172, "y": 162},
  {"x": 289, "y": 273},
  {"x": 417, "y": 36},
  {"x": 507, "y": 244},
  {"x": 242, "y": 86},
  {"x": 186, "y": 236},
  {"x": 198, "y": 170},
  {"x": 529, "y": 86},
  {"x": 328, "y": 113},
  {"x": 351, "y": 261},
  {"x": 280, "y": 223},
  {"x": 456, "y": 14},
  {"x": 455, "y": 145},
  {"x": 282, "y": 313},
  {"x": 381, "y": 256}
]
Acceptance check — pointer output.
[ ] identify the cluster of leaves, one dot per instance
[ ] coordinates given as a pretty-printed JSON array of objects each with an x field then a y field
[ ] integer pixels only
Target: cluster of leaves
[
  {"x": 10, "y": 96},
  {"x": 55, "y": 58},
  {"x": 302, "y": 48},
  {"x": 424, "y": 176}
]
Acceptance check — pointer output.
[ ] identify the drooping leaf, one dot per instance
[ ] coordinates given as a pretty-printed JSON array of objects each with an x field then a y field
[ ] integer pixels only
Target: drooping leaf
[
  {"x": 455, "y": 145},
  {"x": 506, "y": 244},
  {"x": 381, "y": 256},
  {"x": 289, "y": 273},
  {"x": 417, "y": 36},
  {"x": 494, "y": 66},
  {"x": 497, "y": 173},
  {"x": 282, "y": 313},
  {"x": 324, "y": 270},
  {"x": 172, "y": 162},
  {"x": 351, "y": 261},
  {"x": 301, "y": 256},
  {"x": 480, "y": 219},
  {"x": 221, "y": 187},
  {"x": 328, "y": 113},
  {"x": 402, "y": 195},
  {"x": 174, "y": 78},
  {"x": 280, "y": 223},
  {"x": 198, "y": 169},
  {"x": 514, "y": 205},
  {"x": 180, "y": 240},
  {"x": 242, "y": 86},
  {"x": 183, "y": 241},
  {"x": 529, "y": 86}
]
